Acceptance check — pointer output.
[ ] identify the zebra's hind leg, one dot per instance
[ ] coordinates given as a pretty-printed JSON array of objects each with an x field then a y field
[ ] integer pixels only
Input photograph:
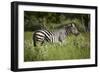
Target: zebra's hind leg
[
  {"x": 38, "y": 43},
  {"x": 42, "y": 43}
]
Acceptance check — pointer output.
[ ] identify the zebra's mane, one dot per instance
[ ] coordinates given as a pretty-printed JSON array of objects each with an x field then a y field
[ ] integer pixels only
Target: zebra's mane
[{"x": 65, "y": 25}]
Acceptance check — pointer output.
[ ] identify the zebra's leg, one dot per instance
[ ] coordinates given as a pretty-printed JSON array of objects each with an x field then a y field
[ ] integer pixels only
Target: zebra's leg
[
  {"x": 42, "y": 43},
  {"x": 38, "y": 43}
]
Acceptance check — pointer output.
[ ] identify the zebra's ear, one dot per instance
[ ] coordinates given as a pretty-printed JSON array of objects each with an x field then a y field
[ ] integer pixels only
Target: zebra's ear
[
  {"x": 73, "y": 25},
  {"x": 65, "y": 26},
  {"x": 69, "y": 25}
]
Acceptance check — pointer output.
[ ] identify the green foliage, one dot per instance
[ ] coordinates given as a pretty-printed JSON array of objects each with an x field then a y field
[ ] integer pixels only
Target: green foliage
[
  {"x": 74, "y": 47},
  {"x": 50, "y": 20}
]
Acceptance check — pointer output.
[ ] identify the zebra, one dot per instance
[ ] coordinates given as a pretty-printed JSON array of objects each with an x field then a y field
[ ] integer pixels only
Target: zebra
[{"x": 58, "y": 35}]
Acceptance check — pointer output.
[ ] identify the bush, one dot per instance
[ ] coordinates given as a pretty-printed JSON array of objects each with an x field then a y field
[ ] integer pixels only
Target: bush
[{"x": 74, "y": 47}]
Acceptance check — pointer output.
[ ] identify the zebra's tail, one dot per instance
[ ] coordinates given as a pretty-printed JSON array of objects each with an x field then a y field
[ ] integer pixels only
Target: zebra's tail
[{"x": 34, "y": 40}]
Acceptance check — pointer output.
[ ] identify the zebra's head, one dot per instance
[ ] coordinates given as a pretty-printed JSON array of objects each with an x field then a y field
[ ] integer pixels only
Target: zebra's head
[{"x": 71, "y": 28}]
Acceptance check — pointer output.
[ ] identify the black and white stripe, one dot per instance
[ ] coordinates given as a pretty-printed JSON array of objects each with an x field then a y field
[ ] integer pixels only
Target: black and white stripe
[
  {"x": 55, "y": 36},
  {"x": 42, "y": 36}
]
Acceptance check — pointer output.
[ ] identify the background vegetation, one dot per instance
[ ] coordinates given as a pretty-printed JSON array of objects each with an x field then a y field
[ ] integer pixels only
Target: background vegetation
[
  {"x": 73, "y": 47},
  {"x": 47, "y": 20}
]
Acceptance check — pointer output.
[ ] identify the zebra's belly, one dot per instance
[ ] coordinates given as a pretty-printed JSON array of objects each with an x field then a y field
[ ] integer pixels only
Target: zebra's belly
[{"x": 57, "y": 39}]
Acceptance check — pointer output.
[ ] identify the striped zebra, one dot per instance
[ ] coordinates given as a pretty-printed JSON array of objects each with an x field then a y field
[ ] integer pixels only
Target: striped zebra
[{"x": 56, "y": 36}]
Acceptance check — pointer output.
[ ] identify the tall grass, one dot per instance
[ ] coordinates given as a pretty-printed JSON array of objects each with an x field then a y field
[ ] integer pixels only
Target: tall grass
[{"x": 74, "y": 47}]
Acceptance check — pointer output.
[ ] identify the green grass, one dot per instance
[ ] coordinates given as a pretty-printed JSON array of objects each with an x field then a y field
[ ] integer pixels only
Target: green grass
[{"x": 74, "y": 47}]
